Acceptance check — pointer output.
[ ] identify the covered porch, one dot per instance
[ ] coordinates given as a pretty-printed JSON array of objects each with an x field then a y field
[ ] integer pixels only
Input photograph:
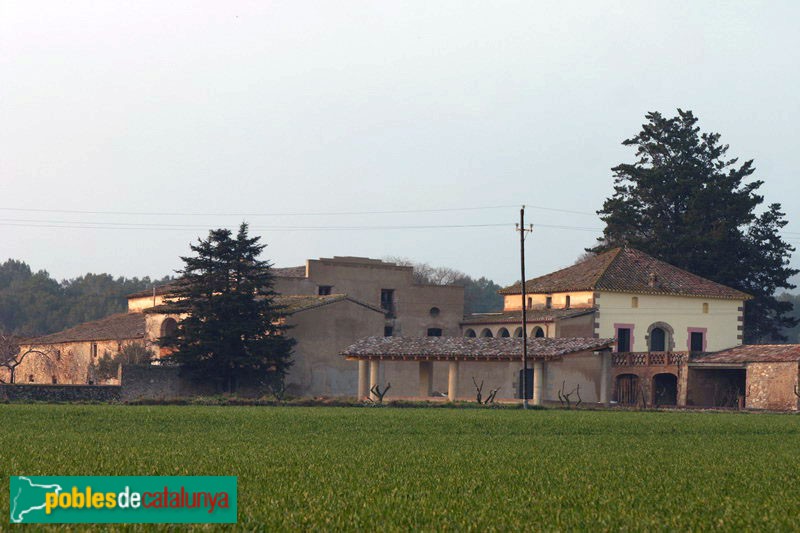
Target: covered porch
[{"x": 451, "y": 367}]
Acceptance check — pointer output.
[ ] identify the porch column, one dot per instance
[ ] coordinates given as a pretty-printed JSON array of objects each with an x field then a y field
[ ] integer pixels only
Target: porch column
[
  {"x": 374, "y": 376},
  {"x": 605, "y": 377},
  {"x": 452, "y": 381},
  {"x": 363, "y": 379},
  {"x": 425, "y": 378},
  {"x": 538, "y": 382}
]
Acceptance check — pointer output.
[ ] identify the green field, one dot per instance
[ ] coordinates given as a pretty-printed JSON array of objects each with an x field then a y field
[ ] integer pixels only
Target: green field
[{"x": 391, "y": 468}]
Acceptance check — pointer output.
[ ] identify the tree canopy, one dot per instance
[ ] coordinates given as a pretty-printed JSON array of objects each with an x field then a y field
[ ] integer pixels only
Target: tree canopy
[
  {"x": 233, "y": 332},
  {"x": 685, "y": 202},
  {"x": 33, "y": 303}
]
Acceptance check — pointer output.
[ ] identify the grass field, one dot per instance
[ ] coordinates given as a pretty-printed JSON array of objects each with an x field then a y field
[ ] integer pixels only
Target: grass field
[{"x": 359, "y": 468}]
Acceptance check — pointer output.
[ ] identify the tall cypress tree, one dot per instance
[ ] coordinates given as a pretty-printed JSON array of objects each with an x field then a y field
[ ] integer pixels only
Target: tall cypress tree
[
  {"x": 685, "y": 203},
  {"x": 233, "y": 333}
]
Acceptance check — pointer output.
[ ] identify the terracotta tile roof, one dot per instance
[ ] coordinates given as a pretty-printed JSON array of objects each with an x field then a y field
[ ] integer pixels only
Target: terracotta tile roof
[
  {"x": 115, "y": 327},
  {"x": 627, "y": 270},
  {"x": 290, "y": 272},
  {"x": 534, "y": 315},
  {"x": 160, "y": 290},
  {"x": 469, "y": 349},
  {"x": 753, "y": 353},
  {"x": 295, "y": 303}
]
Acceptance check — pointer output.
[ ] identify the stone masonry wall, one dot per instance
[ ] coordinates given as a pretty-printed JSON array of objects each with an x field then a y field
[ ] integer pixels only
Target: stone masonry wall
[
  {"x": 772, "y": 386},
  {"x": 60, "y": 393}
]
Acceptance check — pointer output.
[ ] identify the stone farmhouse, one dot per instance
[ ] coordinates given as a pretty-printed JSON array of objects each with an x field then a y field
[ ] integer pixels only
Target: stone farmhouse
[
  {"x": 677, "y": 341},
  {"x": 329, "y": 303}
]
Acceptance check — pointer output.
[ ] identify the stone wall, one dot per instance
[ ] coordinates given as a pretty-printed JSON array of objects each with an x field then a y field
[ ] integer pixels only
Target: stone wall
[
  {"x": 771, "y": 386},
  {"x": 158, "y": 383},
  {"x": 60, "y": 393}
]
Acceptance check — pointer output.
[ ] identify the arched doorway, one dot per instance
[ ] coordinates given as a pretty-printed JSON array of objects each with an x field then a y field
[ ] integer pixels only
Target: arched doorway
[
  {"x": 627, "y": 389},
  {"x": 665, "y": 389},
  {"x": 537, "y": 332},
  {"x": 486, "y": 333},
  {"x": 658, "y": 340},
  {"x": 470, "y": 333},
  {"x": 168, "y": 327},
  {"x": 503, "y": 332}
]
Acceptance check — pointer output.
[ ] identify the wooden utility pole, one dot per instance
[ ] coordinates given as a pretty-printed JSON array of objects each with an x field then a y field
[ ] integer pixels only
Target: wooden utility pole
[{"x": 522, "y": 234}]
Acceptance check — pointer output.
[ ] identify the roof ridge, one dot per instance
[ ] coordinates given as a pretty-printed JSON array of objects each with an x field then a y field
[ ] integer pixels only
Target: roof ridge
[{"x": 616, "y": 251}]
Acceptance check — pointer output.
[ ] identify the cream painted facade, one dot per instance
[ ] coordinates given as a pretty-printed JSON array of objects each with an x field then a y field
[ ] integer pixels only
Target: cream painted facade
[
  {"x": 720, "y": 321},
  {"x": 577, "y": 300}
]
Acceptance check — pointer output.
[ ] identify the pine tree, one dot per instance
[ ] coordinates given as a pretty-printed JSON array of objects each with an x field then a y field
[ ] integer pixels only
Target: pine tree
[
  {"x": 683, "y": 202},
  {"x": 233, "y": 333}
]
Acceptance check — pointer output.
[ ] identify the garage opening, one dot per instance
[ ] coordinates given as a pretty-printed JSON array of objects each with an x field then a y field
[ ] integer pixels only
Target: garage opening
[{"x": 716, "y": 387}]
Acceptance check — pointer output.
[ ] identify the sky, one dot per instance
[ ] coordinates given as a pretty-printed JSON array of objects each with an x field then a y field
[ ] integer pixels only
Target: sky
[{"x": 129, "y": 129}]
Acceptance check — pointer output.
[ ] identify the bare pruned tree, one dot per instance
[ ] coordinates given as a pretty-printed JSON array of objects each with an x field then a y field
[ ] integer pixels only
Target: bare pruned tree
[
  {"x": 379, "y": 394},
  {"x": 566, "y": 397},
  {"x": 12, "y": 355},
  {"x": 479, "y": 393}
]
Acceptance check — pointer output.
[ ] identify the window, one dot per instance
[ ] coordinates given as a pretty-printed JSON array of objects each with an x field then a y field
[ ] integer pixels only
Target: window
[
  {"x": 387, "y": 331},
  {"x": 658, "y": 340},
  {"x": 58, "y": 355},
  {"x": 530, "y": 302},
  {"x": 434, "y": 311},
  {"x": 705, "y": 308},
  {"x": 55, "y": 381},
  {"x": 470, "y": 333},
  {"x": 30, "y": 378},
  {"x": 324, "y": 290},
  {"x": 635, "y": 302},
  {"x": 566, "y": 302},
  {"x": 518, "y": 332},
  {"x": 486, "y": 333},
  {"x": 387, "y": 300},
  {"x": 548, "y": 302},
  {"x": 434, "y": 332},
  {"x": 503, "y": 332},
  {"x": 94, "y": 349},
  {"x": 538, "y": 333},
  {"x": 697, "y": 341},
  {"x": 623, "y": 339}
]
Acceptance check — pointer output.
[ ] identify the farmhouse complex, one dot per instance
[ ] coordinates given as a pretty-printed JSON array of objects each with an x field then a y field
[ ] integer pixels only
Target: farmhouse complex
[{"x": 619, "y": 327}]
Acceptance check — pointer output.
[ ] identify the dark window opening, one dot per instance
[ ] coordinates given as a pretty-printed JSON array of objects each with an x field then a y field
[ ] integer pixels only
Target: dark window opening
[
  {"x": 696, "y": 341},
  {"x": 566, "y": 302},
  {"x": 530, "y": 302},
  {"x": 434, "y": 311},
  {"x": 55, "y": 381},
  {"x": 538, "y": 333},
  {"x": 387, "y": 300},
  {"x": 486, "y": 333},
  {"x": 387, "y": 331},
  {"x": 324, "y": 290},
  {"x": 471, "y": 333},
  {"x": 658, "y": 340},
  {"x": 94, "y": 350},
  {"x": 623, "y": 340},
  {"x": 503, "y": 333},
  {"x": 434, "y": 332},
  {"x": 548, "y": 302}
]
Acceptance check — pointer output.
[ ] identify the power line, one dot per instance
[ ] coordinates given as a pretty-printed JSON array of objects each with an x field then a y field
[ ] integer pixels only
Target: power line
[{"x": 289, "y": 214}]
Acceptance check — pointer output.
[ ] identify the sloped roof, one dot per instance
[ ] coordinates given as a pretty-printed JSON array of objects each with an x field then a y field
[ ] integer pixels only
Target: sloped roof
[
  {"x": 121, "y": 326},
  {"x": 469, "y": 348},
  {"x": 295, "y": 303},
  {"x": 754, "y": 353},
  {"x": 627, "y": 270},
  {"x": 290, "y": 272},
  {"x": 534, "y": 315}
]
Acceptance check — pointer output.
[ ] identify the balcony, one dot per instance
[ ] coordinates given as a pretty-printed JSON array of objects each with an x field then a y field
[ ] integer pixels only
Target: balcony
[{"x": 649, "y": 358}]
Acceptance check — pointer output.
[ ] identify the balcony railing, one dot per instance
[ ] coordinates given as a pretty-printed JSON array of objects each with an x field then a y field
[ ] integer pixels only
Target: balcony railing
[{"x": 649, "y": 358}]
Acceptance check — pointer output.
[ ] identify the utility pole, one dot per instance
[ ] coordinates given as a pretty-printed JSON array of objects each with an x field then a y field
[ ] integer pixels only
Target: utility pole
[{"x": 522, "y": 234}]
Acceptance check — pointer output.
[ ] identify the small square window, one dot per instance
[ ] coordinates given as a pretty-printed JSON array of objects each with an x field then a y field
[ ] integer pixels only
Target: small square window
[
  {"x": 324, "y": 290},
  {"x": 387, "y": 331}
]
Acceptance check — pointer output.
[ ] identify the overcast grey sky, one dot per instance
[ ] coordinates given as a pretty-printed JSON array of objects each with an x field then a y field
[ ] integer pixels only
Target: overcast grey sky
[{"x": 319, "y": 107}]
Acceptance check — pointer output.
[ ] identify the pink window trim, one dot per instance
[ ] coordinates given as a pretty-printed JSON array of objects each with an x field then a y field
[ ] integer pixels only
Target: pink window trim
[
  {"x": 689, "y": 332},
  {"x": 617, "y": 327}
]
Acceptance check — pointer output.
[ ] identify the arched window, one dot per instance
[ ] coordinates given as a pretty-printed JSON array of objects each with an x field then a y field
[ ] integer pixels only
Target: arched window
[
  {"x": 658, "y": 340},
  {"x": 538, "y": 332},
  {"x": 486, "y": 333},
  {"x": 503, "y": 332},
  {"x": 470, "y": 333},
  {"x": 168, "y": 327},
  {"x": 518, "y": 332},
  {"x": 434, "y": 311}
]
